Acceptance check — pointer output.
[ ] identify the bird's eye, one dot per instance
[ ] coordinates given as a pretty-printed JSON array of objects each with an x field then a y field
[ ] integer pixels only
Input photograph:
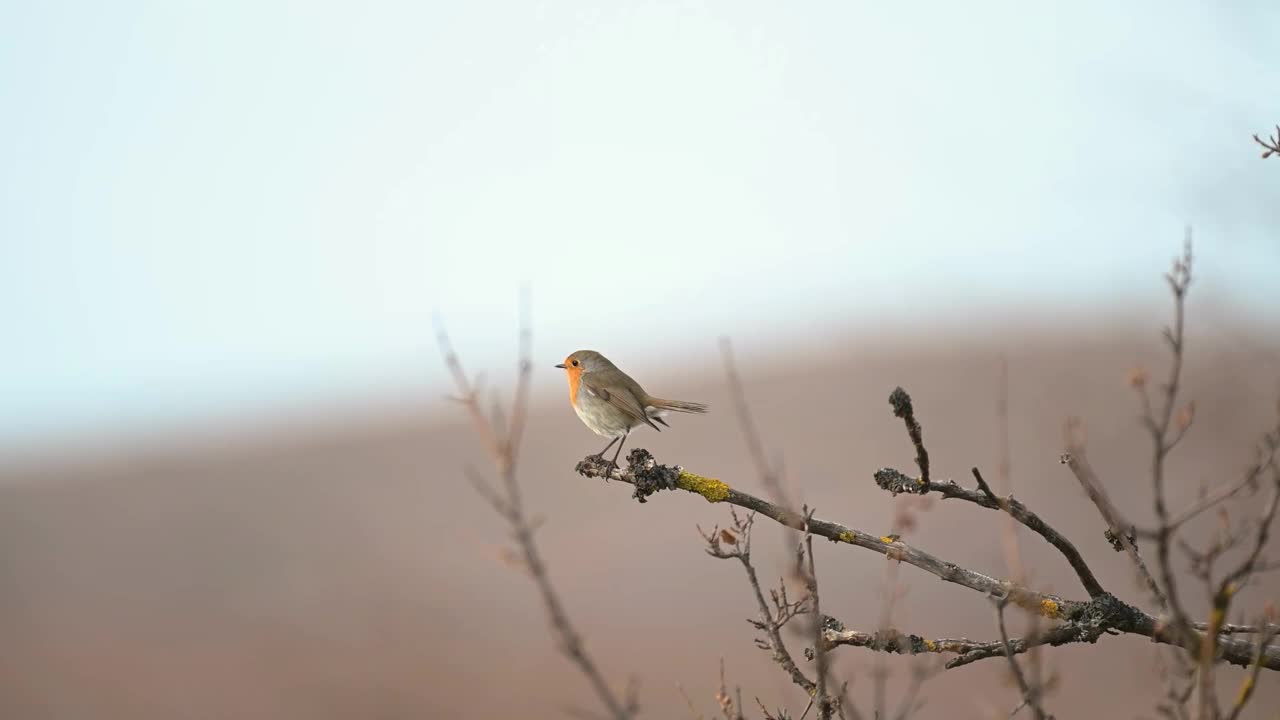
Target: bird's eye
[{"x": 575, "y": 363}]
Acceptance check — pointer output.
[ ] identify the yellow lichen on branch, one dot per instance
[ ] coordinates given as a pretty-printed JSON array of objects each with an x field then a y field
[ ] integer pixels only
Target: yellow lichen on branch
[
  {"x": 1049, "y": 608},
  {"x": 710, "y": 488}
]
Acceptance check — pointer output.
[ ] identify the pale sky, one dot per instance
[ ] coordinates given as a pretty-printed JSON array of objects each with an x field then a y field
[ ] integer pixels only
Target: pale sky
[{"x": 213, "y": 208}]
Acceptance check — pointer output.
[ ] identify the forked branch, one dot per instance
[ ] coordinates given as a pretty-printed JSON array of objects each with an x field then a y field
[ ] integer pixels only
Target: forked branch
[{"x": 1105, "y": 613}]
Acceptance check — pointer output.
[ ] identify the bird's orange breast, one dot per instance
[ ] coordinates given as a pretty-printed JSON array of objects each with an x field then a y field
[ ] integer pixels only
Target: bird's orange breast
[{"x": 575, "y": 379}]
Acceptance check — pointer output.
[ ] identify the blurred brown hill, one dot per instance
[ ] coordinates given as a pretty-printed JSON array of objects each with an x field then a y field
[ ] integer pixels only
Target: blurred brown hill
[{"x": 345, "y": 569}]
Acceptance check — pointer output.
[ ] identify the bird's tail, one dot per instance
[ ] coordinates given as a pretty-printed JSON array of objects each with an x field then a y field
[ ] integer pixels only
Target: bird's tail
[{"x": 677, "y": 405}]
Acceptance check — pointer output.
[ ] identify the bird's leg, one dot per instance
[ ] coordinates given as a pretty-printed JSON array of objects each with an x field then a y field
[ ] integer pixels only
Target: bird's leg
[
  {"x": 600, "y": 455},
  {"x": 613, "y": 464}
]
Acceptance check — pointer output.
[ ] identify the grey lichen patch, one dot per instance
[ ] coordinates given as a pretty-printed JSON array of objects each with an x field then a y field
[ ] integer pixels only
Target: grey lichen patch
[
  {"x": 1114, "y": 539},
  {"x": 901, "y": 403},
  {"x": 592, "y": 466},
  {"x": 648, "y": 476},
  {"x": 1100, "y": 614},
  {"x": 896, "y": 482},
  {"x": 887, "y": 640}
]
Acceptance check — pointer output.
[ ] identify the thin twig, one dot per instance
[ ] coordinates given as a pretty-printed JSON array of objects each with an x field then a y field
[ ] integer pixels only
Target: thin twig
[
  {"x": 768, "y": 622},
  {"x": 1158, "y": 424},
  {"x": 1270, "y": 146},
  {"x": 825, "y": 705},
  {"x": 1012, "y": 549},
  {"x": 1250, "y": 680},
  {"x": 896, "y": 482},
  {"x": 1222, "y": 597},
  {"x": 1029, "y": 694},
  {"x": 1076, "y": 460},
  {"x": 902, "y": 407},
  {"x": 693, "y": 711},
  {"x": 502, "y": 445},
  {"x": 755, "y": 446},
  {"x": 910, "y": 699},
  {"x": 893, "y": 481},
  {"x": 1216, "y": 498}
]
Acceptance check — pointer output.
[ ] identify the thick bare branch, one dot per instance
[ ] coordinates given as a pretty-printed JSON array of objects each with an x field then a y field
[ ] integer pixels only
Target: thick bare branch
[
  {"x": 1106, "y": 611},
  {"x": 644, "y": 472},
  {"x": 966, "y": 651}
]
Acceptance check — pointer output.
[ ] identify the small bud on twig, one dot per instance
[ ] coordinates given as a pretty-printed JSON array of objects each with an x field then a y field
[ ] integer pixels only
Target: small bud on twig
[
  {"x": 1185, "y": 416},
  {"x": 1138, "y": 378}
]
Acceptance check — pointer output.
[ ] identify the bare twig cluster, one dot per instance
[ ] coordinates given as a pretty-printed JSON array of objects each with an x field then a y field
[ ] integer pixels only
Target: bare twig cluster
[
  {"x": 1073, "y": 621},
  {"x": 1230, "y": 559},
  {"x": 1167, "y": 422},
  {"x": 735, "y": 543},
  {"x": 1271, "y": 145}
]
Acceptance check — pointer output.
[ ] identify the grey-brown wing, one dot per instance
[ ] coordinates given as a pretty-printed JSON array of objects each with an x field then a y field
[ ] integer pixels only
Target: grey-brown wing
[{"x": 624, "y": 399}]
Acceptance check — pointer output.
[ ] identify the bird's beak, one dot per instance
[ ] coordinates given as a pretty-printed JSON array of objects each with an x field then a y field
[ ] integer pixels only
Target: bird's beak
[{"x": 561, "y": 366}]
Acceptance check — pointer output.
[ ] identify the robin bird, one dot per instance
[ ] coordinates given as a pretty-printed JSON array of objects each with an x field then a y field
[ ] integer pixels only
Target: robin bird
[{"x": 609, "y": 402}]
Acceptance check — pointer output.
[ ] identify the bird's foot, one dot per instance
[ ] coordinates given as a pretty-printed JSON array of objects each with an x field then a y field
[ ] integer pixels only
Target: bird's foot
[
  {"x": 597, "y": 465},
  {"x": 609, "y": 467}
]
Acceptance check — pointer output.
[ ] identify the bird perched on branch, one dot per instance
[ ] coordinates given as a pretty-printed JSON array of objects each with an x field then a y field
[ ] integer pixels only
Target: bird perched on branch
[{"x": 609, "y": 402}]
